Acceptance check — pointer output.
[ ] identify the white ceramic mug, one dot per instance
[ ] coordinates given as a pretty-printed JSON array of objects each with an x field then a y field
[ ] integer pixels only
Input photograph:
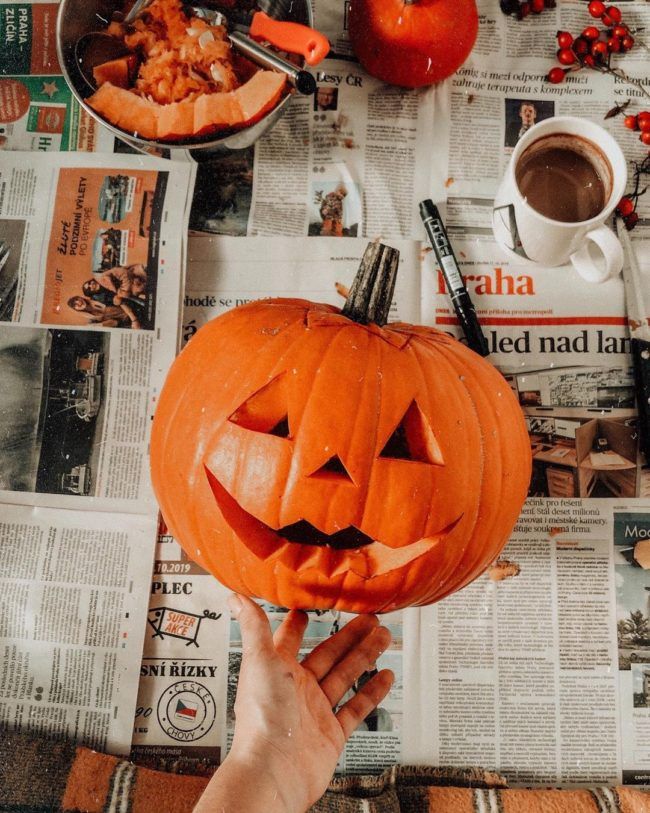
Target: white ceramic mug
[{"x": 590, "y": 245}]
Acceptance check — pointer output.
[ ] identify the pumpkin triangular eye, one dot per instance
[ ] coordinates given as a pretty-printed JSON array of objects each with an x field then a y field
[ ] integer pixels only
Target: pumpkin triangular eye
[
  {"x": 413, "y": 439},
  {"x": 265, "y": 410},
  {"x": 333, "y": 470}
]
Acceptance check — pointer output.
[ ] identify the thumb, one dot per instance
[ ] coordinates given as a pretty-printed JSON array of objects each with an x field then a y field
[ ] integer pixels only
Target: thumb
[{"x": 256, "y": 636}]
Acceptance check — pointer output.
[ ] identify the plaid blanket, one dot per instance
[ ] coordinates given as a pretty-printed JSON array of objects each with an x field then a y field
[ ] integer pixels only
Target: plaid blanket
[{"x": 49, "y": 776}]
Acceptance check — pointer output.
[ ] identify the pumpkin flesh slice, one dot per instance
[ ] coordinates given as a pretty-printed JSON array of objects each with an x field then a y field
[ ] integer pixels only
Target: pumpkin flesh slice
[{"x": 209, "y": 113}]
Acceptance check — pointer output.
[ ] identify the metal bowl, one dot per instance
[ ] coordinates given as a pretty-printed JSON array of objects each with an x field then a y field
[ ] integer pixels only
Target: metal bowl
[{"x": 78, "y": 17}]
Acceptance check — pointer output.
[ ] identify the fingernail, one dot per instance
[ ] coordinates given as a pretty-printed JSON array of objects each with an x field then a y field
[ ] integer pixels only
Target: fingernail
[{"x": 235, "y": 605}]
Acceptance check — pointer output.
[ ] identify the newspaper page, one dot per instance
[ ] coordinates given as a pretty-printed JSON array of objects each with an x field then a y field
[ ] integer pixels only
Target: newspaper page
[
  {"x": 37, "y": 108},
  {"x": 522, "y": 673},
  {"x": 224, "y": 272},
  {"x": 91, "y": 275},
  {"x": 351, "y": 161},
  {"x": 73, "y": 598}
]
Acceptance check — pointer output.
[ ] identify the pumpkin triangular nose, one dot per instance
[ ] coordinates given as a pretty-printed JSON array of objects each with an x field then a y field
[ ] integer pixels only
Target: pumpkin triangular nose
[{"x": 333, "y": 470}]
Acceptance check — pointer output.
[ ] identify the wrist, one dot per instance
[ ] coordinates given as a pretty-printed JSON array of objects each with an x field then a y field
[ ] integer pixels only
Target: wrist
[{"x": 270, "y": 776}]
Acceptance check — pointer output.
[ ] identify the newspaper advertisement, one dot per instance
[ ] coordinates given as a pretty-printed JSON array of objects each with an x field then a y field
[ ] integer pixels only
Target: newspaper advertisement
[
  {"x": 73, "y": 596},
  {"x": 37, "y": 108},
  {"x": 631, "y": 546},
  {"x": 180, "y": 717},
  {"x": 91, "y": 274}
]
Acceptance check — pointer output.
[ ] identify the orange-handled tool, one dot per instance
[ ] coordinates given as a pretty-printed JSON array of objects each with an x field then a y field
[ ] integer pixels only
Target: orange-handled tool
[{"x": 292, "y": 37}]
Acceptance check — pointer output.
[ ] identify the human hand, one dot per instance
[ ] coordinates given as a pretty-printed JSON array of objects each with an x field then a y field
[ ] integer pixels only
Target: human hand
[{"x": 287, "y": 737}]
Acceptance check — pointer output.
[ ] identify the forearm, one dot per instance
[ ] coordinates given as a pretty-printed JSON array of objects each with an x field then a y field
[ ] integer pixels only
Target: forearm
[{"x": 244, "y": 785}]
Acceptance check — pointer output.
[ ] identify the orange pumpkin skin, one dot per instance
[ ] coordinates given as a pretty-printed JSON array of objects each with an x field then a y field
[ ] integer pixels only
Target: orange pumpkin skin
[
  {"x": 412, "y": 44},
  {"x": 227, "y": 479}
]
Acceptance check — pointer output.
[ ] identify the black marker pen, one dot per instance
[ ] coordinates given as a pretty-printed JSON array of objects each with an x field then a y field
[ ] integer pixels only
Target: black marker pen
[{"x": 458, "y": 294}]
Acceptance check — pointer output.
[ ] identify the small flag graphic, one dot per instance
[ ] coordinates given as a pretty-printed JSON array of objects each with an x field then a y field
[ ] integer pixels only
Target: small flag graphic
[{"x": 186, "y": 710}]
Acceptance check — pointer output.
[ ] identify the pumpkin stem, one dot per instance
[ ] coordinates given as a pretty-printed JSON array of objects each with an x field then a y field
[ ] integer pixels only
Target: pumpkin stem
[{"x": 371, "y": 293}]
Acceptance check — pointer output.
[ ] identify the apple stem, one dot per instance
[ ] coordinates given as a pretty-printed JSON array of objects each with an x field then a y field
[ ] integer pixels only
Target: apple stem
[{"x": 371, "y": 293}]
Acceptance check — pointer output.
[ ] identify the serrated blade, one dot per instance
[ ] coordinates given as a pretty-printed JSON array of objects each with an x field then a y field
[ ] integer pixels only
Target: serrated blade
[{"x": 636, "y": 304}]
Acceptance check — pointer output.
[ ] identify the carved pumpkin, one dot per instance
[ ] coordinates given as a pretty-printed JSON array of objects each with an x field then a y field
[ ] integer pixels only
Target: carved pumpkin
[
  {"x": 318, "y": 462},
  {"x": 412, "y": 43}
]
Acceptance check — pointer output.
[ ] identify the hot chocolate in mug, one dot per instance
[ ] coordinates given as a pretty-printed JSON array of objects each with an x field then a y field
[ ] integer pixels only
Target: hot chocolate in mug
[{"x": 547, "y": 237}]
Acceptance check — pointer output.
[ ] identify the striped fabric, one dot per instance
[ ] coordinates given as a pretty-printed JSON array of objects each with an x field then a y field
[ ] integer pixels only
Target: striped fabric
[{"x": 45, "y": 776}]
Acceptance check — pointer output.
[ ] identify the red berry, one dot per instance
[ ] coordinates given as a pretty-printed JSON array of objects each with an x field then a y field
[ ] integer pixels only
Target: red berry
[
  {"x": 589, "y": 61},
  {"x": 580, "y": 46},
  {"x": 631, "y": 122},
  {"x": 620, "y": 31},
  {"x": 643, "y": 116},
  {"x": 606, "y": 20},
  {"x": 631, "y": 220},
  {"x": 556, "y": 75},
  {"x": 644, "y": 124},
  {"x": 625, "y": 207},
  {"x": 590, "y": 33},
  {"x": 613, "y": 45},
  {"x": 645, "y": 137},
  {"x": 564, "y": 39},
  {"x": 615, "y": 13},
  {"x": 524, "y": 10},
  {"x": 596, "y": 8},
  {"x": 566, "y": 56},
  {"x": 599, "y": 49},
  {"x": 537, "y": 6},
  {"x": 627, "y": 42}
]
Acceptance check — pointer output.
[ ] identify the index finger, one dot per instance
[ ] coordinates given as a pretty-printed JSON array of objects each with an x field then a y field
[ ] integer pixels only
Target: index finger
[{"x": 329, "y": 652}]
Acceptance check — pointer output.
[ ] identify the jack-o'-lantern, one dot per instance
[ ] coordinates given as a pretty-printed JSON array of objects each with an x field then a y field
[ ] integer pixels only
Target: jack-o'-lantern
[{"x": 319, "y": 458}]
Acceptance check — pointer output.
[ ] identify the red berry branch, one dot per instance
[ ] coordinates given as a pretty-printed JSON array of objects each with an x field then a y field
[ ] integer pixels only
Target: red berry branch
[
  {"x": 518, "y": 9},
  {"x": 627, "y": 205},
  {"x": 594, "y": 47}
]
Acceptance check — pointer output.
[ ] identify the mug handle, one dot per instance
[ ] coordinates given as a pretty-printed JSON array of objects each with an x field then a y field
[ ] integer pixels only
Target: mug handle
[{"x": 612, "y": 254}]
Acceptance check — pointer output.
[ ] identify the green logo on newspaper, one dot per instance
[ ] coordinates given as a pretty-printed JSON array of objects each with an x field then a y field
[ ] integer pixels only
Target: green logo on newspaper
[
  {"x": 631, "y": 527},
  {"x": 15, "y": 39}
]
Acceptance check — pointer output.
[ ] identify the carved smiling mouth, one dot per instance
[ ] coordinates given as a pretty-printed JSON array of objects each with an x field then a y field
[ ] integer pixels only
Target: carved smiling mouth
[{"x": 301, "y": 546}]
